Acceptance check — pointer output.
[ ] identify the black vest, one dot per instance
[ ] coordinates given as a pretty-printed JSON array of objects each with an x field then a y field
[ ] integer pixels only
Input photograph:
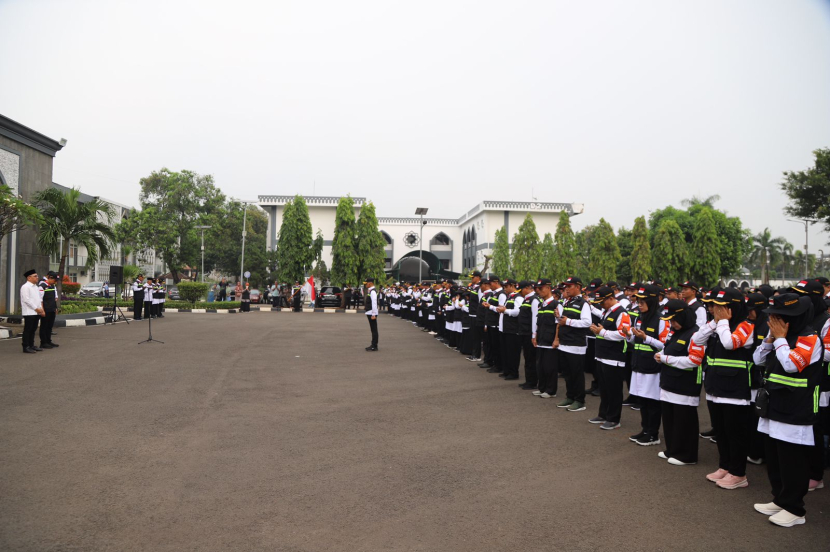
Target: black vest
[
  {"x": 492, "y": 317},
  {"x": 793, "y": 397},
  {"x": 683, "y": 381},
  {"x": 510, "y": 324},
  {"x": 568, "y": 335},
  {"x": 473, "y": 301},
  {"x": 818, "y": 325},
  {"x": 546, "y": 323},
  {"x": 526, "y": 315},
  {"x": 643, "y": 358},
  {"x": 367, "y": 302},
  {"x": 756, "y": 373},
  {"x": 483, "y": 302},
  {"x": 611, "y": 350},
  {"x": 50, "y": 303},
  {"x": 727, "y": 372}
]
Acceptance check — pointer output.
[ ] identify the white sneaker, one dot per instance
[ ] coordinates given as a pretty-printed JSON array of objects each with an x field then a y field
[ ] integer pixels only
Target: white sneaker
[
  {"x": 769, "y": 509},
  {"x": 537, "y": 392},
  {"x": 547, "y": 396},
  {"x": 432, "y": 333},
  {"x": 756, "y": 461},
  {"x": 786, "y": 519},
  {"x": 676, "y": 462},
  {"x": 662, "y": 455}
]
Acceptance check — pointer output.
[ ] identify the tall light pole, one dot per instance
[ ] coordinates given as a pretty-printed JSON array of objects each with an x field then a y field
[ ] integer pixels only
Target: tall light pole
[
  {"x": 821, "y": 260},
  {"x": 203, "y": 228},
  {"x": 244, "y": 233},
  {"x": 421, "y": 211},
  {"x": 807, "y": 223}
]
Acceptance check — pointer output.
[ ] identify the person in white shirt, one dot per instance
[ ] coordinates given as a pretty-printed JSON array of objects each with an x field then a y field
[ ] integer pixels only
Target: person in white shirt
[
  {"x": 371, "y": 307},
  {"x": 32, "y": 310}
]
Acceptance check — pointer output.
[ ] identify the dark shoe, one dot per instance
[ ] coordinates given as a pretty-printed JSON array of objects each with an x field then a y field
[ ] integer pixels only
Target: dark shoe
[
  {"x": 511, "y": 378},
  {"x": 494, "y": 370},
  {"x": 46, "y": 346},
  {"x": 595, "y": 392},
  {"x": 29, "y": 350},
  {"x": 486, "y": 365},
  {"x": 527, "y": 386},
  {"x": 54, "y": 344},
  {"x": 503, "y": 375},
  {"x": 36, "y": 349},
  {"x": 635, "y": 407},
  {"x": 372, "y": 349},
  {"x": 596, "y": 420},
  {"x": 629, "y": 401},
  {"x": 647, "y": 440},
  {"x": 53, "y": 333},
  {"x": 610, "y": 425},
  {"x": 707, "y": 434},
  {"x": 635, "y": 438}
]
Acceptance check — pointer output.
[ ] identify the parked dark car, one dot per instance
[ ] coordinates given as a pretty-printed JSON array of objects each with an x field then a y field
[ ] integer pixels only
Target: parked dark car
[
  {"x": 330, "y": 296},
  {"x": 173, "y": 294},
  {"x": 256, "y": 296}
]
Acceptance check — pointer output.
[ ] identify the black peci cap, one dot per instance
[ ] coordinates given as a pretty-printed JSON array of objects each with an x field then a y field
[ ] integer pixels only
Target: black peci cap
[
  {"x": 603, "y": 293},
  {"x": 525, "y": 283},
  {"x": 543, "y": 282},
  {"x": 689, "y": 284},
  {"x": 573, "y": 280}
]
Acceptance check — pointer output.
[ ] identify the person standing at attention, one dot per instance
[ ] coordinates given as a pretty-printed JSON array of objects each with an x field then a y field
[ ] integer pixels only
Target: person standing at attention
[
  {"x": 371, "y": 306},
  {"x": 32, "y": 310}
]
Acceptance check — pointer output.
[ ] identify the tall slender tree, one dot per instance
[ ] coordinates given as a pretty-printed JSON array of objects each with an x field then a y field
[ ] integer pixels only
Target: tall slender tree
[
  {"x": 626, "y": 245},
  {"x": 526, "y": 251},
  {"x": 641, "y": 251},
  {"x": 704, "y": 261},
  {"x": 501, "y": 254},
  {"x": 370, "y": 245},
  {"x": 345, "y": 263},
  {"x": 605, "y": 254},
  {"x": 669, "y": 255},
  {"x": 295, "y": 253},
  {"x": 766, "y": 251},
  {"x": 547, "y": 255},
  {"x": 565, "y": 249}
]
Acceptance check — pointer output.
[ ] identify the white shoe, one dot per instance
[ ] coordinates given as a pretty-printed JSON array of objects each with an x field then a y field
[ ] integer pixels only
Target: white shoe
[
  {"x": 537, "y": 392},
  {"x": 786, "y": 519},
  {"x": 547, "y": 396},
  {"x": 756, "y": 461},
  {"x": 769, "y": 509},
  {"x": 432, "y": 333},
  {"x": 676, "y": 462},
  {"x": 662, "y": 455}
]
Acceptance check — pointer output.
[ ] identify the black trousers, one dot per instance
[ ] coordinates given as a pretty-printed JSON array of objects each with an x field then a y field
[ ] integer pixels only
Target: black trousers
[
  {"x": 475, "y": 339},
  {"x": 547, "y": 368},
  {"x": 816, "y": 458},
  {"x": 680, "y": 429},
  {"x": 29, "y": 329},
  {"x": 373, "y": 326},
  {"x": 731, "y": 425},
  {"x": 529, "y": 351},
  {"x": 485, "y": 345},
  {"x": 466, "y": 345},
  {"x": 756, "y": 438},
  {"x": 611, "y": 391},
  {"x": 494, "y": 338},
  {"x": 275, "y": 301},
  {"x": 148, "y": 309},
  {"x": 787, "y": 472},
  {"x": 573, "y": 366},
  {"x": 46, "y": 324},
  {"x": 650, "y": 411},
  {"x": 223, "y": 294},
  {"x": 512, "y": 353},
  {"x": 138, "y": 304}
]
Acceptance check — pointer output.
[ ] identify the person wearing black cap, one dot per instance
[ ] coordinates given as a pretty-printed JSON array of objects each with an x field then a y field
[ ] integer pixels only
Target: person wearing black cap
[
  {"x": 31, "y": 309},
  {"x": 825, "y": 283},
  {"x": 688, "y": 292},
  {"x": 727, "y": 383},
  {"x": 792, "y": 356},
  {"x": 496, "y": 299},
  {"x": 48, "y": 297},
  {"x": 820, "y": 323},
  {"x": 645, "y": 377},
  {"x": 574, "y": 321},
  {"x": 138, "y": 297},
  {"x": 527, "y": 329},
  {"x": 756, "y": 303},
  {"x": 484, "y": 294},
  {"x": 547, "y": 326},
  {"x": 611, "y": 333},
  {"x": 509, "y": 330},
  {"x": 680, "y": 381},
  {"x": 475, "y": 330},
  {"x": 371, "y": 308},
  {"x": 590, "y": 352}
]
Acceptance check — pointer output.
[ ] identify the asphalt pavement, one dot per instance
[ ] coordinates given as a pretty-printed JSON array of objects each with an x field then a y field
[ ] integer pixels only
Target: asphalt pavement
[{"x": 278, "y": 432}]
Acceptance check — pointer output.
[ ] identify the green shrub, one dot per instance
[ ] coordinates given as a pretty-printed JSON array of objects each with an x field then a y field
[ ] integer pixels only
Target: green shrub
[
  {"x": 71, "y": 288},
  {"x": 192, "y": 291}
]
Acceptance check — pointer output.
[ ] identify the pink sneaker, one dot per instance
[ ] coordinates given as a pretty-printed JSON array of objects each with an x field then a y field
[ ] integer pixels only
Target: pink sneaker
[
  {"x": 717, "y": 476},
  {"x": 732, "y": 482},
  {"x": 815, "y": 485}
]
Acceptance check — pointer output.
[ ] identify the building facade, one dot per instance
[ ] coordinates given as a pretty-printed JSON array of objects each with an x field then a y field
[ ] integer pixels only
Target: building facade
[{"x": 459, "y": 243}]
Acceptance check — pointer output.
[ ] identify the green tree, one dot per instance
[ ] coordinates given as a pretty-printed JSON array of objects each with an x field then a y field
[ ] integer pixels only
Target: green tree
[
  {"x": 501, "y": 255},
  {"x": 320, "y": 270},
  {"x": 295, "y": 253},
  {"x": 172, "y": 204},
  {"x": 345, "y": 263},
  {"x": 766, "y": 251},
  {"x": 223, "y": 242},
  {"x": 605, "y": 254},
  {"x": 641, "y": 251},
  {"x": 565, "y": 249},
  {"x": 809, "y": 190},
  {"x": 547, "y": 255},
  {"x": 703, "y": 201},
  {"x": 526, "y": 251},
  {"x": 705, "y": 260},
  {"x": 14, "y": 212},
  {"x": 668, "y": 259},
  {"x": 370, "y": 246},
  {"x": 64, "y": 219},
  {"x": 584, "y": 240},
  {"x": 626, "y": 245}
]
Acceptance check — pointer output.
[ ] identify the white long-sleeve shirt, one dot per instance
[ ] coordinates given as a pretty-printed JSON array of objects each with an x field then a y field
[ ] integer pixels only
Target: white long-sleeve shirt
[
  {"x": 534, "y": 310},
  {"x": 374, "y": 297},
  {"x": 30, "y": 299}
]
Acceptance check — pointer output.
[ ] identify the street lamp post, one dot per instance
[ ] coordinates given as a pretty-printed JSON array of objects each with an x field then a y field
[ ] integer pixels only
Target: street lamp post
[
  {"x": 244, "y": 233},
  {"x": 807, "y": 223},
  {"x": 203, "y": 228},
  {"x": 421, "y": 211}
]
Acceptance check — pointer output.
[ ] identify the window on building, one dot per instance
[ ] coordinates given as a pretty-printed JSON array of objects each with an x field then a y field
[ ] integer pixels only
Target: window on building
[{"x": 440, "y": 239}]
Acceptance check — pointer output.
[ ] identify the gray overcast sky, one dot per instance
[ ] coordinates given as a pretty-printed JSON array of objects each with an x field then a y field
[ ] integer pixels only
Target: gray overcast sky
[{"x": 624, "y": 106}]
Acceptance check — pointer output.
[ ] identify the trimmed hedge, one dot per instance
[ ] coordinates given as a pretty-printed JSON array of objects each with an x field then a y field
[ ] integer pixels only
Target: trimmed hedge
[{"x": 192, "y": 291}]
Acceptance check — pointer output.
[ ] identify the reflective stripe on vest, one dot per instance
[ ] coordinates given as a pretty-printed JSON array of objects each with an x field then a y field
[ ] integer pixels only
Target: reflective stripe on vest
[
  {"x": 578, "y": 311},
  {"x": 786, "y": 380},
  {"x": 731, "y": 363},
  {"x": 643, "y": 347}
]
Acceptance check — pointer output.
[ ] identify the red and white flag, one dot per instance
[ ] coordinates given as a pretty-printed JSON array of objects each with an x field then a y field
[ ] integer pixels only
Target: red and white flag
[{"x": 312, "y": 292}]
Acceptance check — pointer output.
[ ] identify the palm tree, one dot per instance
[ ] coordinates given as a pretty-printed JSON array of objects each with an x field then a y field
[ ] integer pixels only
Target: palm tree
[
  {"x": 765, "y": 249},
  {"x": 64, "y": 217},
  {"x": 704, "y": 201},
  {"x": 786, "y": 259}
]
